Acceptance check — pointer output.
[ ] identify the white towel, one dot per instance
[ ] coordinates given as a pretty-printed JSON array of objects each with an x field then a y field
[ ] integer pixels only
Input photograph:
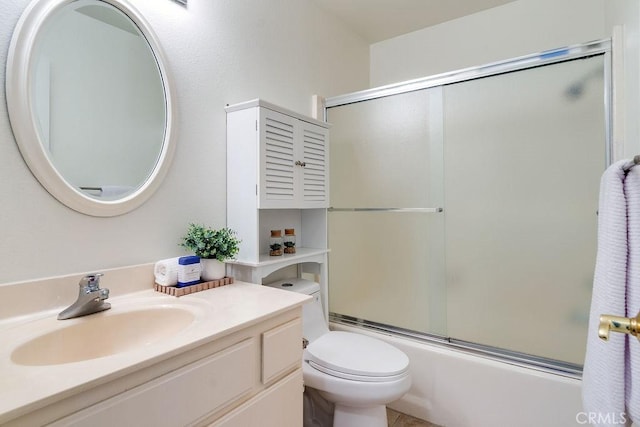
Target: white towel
[
  {"x": 166, "y": 272},
  {"x": 632, "y": 361},
  {"x": 609, "y": 364}
]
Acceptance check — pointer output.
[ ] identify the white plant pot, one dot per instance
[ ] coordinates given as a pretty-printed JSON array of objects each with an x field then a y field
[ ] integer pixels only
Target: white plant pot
[{"x": 212, "y": 269}]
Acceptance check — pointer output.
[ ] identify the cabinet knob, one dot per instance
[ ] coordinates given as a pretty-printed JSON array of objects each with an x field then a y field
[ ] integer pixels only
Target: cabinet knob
[{"x": 299, "y": 163}]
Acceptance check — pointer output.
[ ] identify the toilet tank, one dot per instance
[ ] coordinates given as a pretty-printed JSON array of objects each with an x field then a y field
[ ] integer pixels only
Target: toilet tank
[{"x": 314, "y": 324}]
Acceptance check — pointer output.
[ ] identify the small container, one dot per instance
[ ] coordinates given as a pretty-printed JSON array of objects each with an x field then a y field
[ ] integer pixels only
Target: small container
[
  {"x": 275, "y": 243},
  {"x": 289, "y": 241},
  {"x": 188, "y": 271}
]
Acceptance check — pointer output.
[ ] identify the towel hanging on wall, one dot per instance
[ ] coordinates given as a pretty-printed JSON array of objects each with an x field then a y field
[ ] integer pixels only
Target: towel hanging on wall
[{"x": 611, "y": 376}]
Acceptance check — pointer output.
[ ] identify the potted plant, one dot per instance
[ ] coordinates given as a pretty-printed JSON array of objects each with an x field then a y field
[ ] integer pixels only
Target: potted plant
[{"x": 213, "y": 247}]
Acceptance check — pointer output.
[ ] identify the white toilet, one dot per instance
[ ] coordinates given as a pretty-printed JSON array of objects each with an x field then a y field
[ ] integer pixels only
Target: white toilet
[{"x": 358, "y": 373}]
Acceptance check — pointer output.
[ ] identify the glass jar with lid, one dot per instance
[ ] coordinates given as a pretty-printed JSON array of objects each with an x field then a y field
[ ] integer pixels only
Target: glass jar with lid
[
  {"x": 275, "y": 243},
  {"x": 289, "y": 241}
]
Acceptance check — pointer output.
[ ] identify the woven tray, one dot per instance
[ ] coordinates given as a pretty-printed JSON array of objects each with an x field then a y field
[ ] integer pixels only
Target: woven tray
[{"x": 178, "y": 292}]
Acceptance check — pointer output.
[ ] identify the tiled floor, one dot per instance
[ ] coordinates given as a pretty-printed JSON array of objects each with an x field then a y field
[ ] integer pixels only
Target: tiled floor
[{"x": 397, "y": 419}]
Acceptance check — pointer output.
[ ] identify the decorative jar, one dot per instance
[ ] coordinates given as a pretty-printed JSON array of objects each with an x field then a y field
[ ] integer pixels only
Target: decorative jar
[
  {"x": 289, "y": 241},
  {"x": 275, "y": 243}
]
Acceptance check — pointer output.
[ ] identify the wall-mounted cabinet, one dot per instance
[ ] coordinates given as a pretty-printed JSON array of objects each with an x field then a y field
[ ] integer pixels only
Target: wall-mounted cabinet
[
  {"x": 293, "y": 155},
  {"x": 279, "y": 155},
  {"x": 277, "y": 178}
]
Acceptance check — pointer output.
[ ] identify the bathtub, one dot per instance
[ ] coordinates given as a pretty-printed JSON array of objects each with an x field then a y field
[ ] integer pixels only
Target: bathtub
[{"x": 453, "y": 388}]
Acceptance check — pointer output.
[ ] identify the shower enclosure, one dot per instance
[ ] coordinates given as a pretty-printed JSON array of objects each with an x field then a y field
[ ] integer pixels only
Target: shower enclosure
[{"x": 464, "y": 205}]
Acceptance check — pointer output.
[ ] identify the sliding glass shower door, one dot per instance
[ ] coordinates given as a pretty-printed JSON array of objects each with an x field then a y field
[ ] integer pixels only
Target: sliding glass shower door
[
  {"x": 524, "y": 152},
  {"x": 385, "y": 224},
  {"x": 467, "y": 210}
]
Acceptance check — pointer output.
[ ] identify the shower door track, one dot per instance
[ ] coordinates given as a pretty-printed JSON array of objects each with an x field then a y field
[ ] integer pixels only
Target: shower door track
[
  {"x": 397, "y": 210},
  {"x": 524, "y": 360},
  {"x": 548, "y": 57}
]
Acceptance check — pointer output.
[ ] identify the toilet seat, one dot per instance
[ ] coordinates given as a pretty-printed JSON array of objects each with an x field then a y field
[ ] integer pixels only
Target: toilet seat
[
  {"x": 357, "y": 357},
  {"x": 347, "y": 376}
]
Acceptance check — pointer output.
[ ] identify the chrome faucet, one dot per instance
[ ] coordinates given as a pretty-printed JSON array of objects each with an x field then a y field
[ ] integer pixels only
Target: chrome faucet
[{"x": 90, "y": 298}]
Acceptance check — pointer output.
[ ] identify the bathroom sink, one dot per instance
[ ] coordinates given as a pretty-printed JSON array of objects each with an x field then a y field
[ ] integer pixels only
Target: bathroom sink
[{"x": 103, "y": 334}]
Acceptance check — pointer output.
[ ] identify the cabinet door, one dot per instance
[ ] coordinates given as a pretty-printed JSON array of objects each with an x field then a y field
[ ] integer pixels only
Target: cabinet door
[
  {"x": 281, "y": 349},
  {"x": 278, "y": 406},
  {"x": 277, "y": 169},
  {"x": 313, "y": 155},
  {"x": 293, "y": 162}
]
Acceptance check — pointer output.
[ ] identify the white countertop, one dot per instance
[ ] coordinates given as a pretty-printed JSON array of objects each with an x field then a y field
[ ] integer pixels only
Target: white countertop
[{"x": 219, "y": 312}]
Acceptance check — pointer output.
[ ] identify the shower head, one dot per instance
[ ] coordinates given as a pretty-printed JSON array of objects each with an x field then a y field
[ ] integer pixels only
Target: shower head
[
  {"x": 575, "y": 91},
  {"x": 578, "y": 87}
]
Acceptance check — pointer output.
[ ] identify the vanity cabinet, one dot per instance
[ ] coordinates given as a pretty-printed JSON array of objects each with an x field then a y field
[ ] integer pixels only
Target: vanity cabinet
[{"x": 251, "y": 378}]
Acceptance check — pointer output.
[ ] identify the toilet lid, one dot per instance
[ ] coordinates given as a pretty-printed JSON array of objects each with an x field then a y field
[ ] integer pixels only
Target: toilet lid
[{"x": 356, "y": 355}]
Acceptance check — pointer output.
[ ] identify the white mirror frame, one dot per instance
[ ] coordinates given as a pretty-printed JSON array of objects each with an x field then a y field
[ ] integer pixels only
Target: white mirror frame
[{"x": 19, "y": 102}]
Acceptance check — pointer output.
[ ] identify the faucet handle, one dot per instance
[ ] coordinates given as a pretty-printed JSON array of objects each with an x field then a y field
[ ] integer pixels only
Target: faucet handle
[{"x": 91, "y": 282}]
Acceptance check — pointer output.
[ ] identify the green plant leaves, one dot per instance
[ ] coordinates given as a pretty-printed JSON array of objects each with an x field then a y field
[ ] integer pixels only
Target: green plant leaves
[{"x": 207, "y": 242}]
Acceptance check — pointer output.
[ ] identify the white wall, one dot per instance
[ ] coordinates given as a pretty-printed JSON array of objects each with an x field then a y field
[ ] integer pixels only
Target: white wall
[
  {"x": 219, "y": 52},
  {"x": 626, "y": 13}
]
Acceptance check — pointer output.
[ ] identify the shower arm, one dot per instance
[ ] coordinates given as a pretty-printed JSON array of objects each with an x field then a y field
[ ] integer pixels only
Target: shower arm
[{"x": 624, "y": 325}]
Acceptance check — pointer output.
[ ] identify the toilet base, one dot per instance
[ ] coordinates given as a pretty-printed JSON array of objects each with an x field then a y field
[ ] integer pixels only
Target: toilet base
[{"x": 349, "y": 416}]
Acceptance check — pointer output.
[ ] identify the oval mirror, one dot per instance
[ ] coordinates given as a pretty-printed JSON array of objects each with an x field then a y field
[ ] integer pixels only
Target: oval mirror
[{"x": 89, "y": 101}]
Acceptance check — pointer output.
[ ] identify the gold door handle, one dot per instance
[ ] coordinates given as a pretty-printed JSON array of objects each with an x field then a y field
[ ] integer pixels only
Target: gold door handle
[{"x": 625, "y": 325}]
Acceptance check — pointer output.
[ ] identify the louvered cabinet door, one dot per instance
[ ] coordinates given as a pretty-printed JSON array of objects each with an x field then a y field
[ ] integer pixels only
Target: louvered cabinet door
[
  {"x": 277, "y": 149},
  {"x": 313, "y": 170}
]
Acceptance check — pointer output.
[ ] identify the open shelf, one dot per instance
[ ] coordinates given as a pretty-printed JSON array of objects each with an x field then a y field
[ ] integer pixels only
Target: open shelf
[{"x": 301, "y": 255}]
